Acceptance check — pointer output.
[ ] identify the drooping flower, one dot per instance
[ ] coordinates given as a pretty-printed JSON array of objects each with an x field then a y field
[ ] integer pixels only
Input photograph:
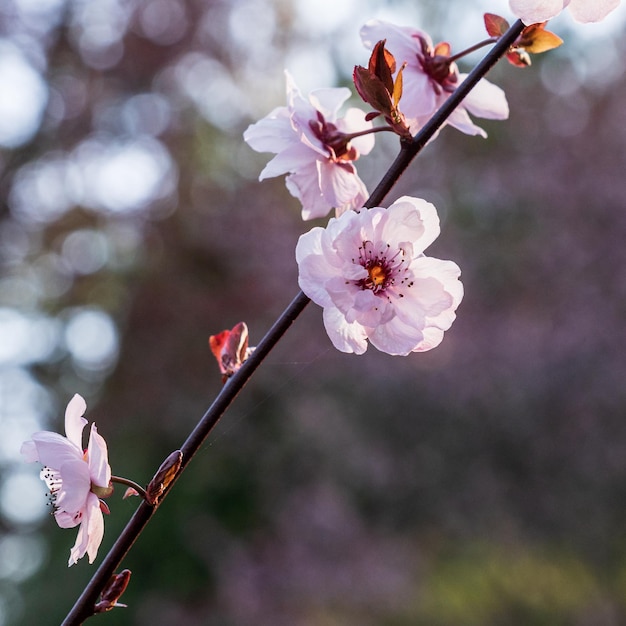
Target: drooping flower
[
  {"x": 430, "y": 76},
  {"x": 314, "y": 147},
  {"x": 369, "y": 273},
  {"x": 76, "y": 479},
  {"x": 535, "y": 11}
]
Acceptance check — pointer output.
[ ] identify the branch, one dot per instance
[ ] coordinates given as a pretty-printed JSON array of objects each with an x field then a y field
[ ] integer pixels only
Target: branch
[{"x": 84, "y": 606}]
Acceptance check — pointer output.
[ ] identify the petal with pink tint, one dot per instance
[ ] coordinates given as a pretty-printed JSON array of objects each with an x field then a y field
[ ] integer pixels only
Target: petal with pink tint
[{"x": 368, "y": 272}]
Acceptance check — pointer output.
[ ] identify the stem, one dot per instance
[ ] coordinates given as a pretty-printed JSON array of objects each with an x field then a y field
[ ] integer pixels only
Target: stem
[
  {"x": 368, "y": 131},
  {"x": 130, "y": 483},
  {"x": 476, "y": 46},
  {"x": 83, "y": 608}
]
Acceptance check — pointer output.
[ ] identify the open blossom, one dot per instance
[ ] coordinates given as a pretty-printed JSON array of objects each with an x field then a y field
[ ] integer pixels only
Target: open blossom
[
  {"x": 535, "y": 11},
  {"x": 430, "y": 77},
  {"x": 313, "y": 146},
  {"x": 369, "y": 273},
  {"x": 76, "y": 479}
]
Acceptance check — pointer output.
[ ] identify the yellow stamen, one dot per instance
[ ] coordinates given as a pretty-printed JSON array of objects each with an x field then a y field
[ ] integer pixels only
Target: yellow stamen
[{"x": 377, "y": 275}]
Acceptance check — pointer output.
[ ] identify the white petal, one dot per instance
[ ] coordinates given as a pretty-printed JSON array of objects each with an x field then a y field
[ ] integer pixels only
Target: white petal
[
  {"x": 461, "y": 120},
  {"x": 296, "y": 158},
  {"x": 75, "y": 486},
  {"x": 436, "y": 292},
  {"x": 53, "y": 450},
  {"x": 486, "y": 100},
  {"x": 432, "y": 338},
  {"x": 90, "y": 532},
  {"x": 535, "y": 11},
  {"x": 271, "y": 134},
  {"x": 413, "y": 220},
  {"x": 340, "y": 185},
  {"x": 74, "y": 420},
  {"x": 401, "y": 41},
  {"x": 29, "y": 451},
  {"x": 309, "y": 243},
  {"x": 328, "y": 101},
  {"x": 97, "y": 455},
  {"x": 300, "y": 110},
  {"x": 314, "y": 273},
  {"x": 67, "y": 520},
  {"x": 354, "y": 122},
  {"x": 304, "y": 185},
  {"x": 345, "y": 337},
  {"x": 419, "y": 99},
  {"x": 592, "y": 10},
  {"x": 396, "y": 337},
  {"x": 351, "y": 230}
]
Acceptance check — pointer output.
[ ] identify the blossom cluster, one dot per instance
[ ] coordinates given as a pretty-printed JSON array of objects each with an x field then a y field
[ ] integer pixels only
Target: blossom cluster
[{"x": 367, "y": 267}]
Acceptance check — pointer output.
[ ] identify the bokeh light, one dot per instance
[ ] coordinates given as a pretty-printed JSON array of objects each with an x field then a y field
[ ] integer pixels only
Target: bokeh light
[
  {"x": 23, "y": 95},
  {"x": 22, "y": 502},
  {"x": 91, "y": 338}
]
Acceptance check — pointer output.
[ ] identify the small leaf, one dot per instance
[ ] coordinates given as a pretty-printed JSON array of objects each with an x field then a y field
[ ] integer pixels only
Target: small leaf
[
  {"x": 372, "y": 90},
  {"x": 518, "y": 57},
  {"x": 496, "y": 26},
  {"x": 397, "y": 86},
  {"x": 443, "y": 48},
  {"x": 535, "y": 39},
  {"x": 230, "y": 348},
  {"x": 382, "y": 65},
  {"x": 129, "y": 493}
]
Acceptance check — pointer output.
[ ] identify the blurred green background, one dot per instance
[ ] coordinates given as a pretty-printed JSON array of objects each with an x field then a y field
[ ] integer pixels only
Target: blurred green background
[{"x": 483, "y": 483}]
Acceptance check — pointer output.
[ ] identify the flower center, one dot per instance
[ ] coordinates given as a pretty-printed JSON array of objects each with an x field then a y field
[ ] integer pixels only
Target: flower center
[
  {"x": 437, "y": 65},
  {"x": 377, "y": 275},
  {"x": 333, "y": 139},
  {"x": 384, "y": 268}
]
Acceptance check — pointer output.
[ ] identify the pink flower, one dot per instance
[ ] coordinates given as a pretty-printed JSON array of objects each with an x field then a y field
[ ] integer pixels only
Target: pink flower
[
  {"x": 535, "y": 11},
  {"x": 369, "y": 273},
  {"x": 76, "y": 479},
  {"x": 430, "y": 77},
  {"x": 313, "y": 146}
]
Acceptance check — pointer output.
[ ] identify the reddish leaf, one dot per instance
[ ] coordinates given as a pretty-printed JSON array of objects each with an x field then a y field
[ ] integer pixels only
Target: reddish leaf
[
  {"x": 518, "y": 57},
  {"x": 372, "y": 90},
  {"x": 382, "y": 65},
  {"x": 496, "y": 26},
  {"x": 230, "y": 348}
]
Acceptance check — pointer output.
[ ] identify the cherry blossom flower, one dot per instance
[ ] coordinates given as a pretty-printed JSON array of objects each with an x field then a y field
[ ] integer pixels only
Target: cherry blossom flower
[
  {"x": 535, "y": 11},
  {"x": 369, "y": 273},
  {"x": 430, "y": 76},
  {"x": 314, "y": 146},
  {"x": 76, "y": 479}
]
